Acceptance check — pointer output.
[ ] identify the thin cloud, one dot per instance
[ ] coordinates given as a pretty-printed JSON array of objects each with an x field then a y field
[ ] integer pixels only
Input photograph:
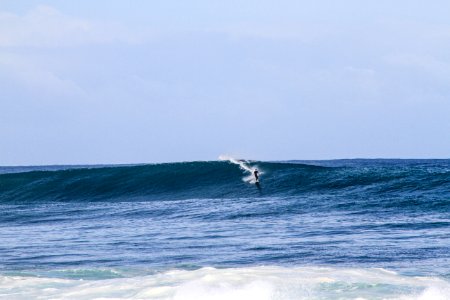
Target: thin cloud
[
  {"x": 45, "y": 26},
  {"x": 36, "y": 78}
]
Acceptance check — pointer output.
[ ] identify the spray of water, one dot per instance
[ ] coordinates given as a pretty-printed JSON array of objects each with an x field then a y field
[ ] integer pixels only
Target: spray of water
[{"x": 243, "y": 165}]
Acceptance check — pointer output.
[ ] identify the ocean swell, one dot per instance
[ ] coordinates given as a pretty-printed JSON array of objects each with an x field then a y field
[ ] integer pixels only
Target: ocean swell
[{"x": 224, "y": 179}]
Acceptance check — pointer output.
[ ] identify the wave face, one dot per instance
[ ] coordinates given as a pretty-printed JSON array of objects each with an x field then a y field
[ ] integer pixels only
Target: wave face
[{"x": 411, "y": 180}]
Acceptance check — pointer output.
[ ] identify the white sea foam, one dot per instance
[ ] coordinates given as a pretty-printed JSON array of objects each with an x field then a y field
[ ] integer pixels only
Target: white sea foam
[
  {"x": 243, "y": 165},
  {"x": 260, "y": 283}
]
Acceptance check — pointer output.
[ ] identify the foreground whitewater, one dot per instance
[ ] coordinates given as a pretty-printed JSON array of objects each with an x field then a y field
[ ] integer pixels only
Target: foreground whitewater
[
  {"x": 262, "y": 283},
  {"x": 348, "y": 229}
]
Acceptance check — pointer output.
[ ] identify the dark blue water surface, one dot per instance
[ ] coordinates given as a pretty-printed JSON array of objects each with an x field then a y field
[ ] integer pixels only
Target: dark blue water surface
[{"x": 393, "y": 214}]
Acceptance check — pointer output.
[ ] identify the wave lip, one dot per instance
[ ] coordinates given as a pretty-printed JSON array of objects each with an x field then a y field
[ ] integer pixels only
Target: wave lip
[{"x": 265, "y": 282}]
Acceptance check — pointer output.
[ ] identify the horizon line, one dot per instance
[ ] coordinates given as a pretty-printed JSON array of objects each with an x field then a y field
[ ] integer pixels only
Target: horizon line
[{"x": 216, "y": 160}]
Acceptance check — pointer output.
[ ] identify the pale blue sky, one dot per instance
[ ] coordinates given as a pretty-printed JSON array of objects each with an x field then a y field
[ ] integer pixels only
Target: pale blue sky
[{"x": 85, "y": 82}]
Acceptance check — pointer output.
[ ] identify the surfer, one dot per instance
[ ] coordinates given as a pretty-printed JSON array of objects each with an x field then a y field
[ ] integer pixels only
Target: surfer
[{"x": 255, "y": 173}]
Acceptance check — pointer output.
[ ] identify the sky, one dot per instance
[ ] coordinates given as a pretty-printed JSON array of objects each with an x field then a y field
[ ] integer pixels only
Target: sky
[{"x": 105, "y": 82}]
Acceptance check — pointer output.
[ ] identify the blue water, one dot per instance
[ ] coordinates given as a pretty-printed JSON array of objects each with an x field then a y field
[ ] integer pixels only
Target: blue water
[{"x": 348, "y": 221}]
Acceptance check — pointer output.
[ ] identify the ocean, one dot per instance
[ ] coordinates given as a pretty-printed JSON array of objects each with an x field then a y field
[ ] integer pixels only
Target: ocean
[{"x": 338, "y": 229}]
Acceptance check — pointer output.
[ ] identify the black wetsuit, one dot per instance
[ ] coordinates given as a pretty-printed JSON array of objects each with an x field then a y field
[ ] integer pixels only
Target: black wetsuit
[{"x": 256, "y": 175}]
